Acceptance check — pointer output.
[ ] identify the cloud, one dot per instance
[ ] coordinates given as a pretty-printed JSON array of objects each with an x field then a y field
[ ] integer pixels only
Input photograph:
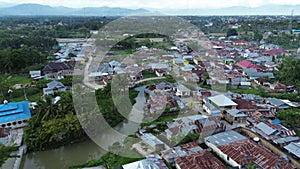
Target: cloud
[{"x": 178, "y": 4}]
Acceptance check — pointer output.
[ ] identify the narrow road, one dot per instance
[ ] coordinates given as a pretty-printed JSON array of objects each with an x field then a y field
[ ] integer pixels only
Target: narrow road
[
  {"x": 149, "y": 79},
  {"x": 86, "y": 81}
]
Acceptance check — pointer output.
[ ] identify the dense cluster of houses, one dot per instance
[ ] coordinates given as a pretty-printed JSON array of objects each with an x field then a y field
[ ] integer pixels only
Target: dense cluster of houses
[
  {"x": 235, "y": 149},
  {"x": 254, "y": 112},
  {"x": 62, "y": 64}
]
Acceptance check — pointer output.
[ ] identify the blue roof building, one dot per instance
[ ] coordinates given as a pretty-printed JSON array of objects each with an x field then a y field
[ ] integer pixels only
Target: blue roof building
[{"x": 14, "y": 113}]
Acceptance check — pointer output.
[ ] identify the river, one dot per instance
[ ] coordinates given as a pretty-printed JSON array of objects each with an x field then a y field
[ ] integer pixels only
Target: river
[{"x": 79, "y": 153}]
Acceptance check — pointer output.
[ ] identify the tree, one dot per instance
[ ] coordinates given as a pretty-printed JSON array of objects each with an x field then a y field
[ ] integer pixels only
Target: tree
[
  {"x": 290, "y": 117},
  {"x": 53, "y": 125},
  {"x": 288, "y": 71},
  {"x": 257, "y": 36},
  {"x": 5, "y": 153},
  {"x": 232, "y": 32}
]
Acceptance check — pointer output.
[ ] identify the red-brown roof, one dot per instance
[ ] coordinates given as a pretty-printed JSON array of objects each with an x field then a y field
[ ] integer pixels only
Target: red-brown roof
[
  {"x": 200, "y": 160},
  {"x": 261, "y": 80},
  {"x": 245, "y": 104},
  {"x": 246, "y": 151},
  {"x": 248, "y": 64}
]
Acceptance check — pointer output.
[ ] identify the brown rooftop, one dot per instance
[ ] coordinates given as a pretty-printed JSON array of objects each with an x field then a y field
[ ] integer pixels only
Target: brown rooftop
[
  {"x": 200, "y": 160},
  {"x": 245, "y": 151}
]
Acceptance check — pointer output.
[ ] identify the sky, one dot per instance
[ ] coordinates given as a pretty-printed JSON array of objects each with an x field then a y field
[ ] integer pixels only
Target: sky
[{"x": 159, "y": 4}]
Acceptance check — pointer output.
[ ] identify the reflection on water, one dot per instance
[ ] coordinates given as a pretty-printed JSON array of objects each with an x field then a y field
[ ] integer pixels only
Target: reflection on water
[
  {"x": 79, "y": 153},
  {"x": 63, "y": 157}
]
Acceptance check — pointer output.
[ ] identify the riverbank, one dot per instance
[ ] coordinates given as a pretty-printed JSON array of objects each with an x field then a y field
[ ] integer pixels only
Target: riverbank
[{"x": 63, "y": 157}]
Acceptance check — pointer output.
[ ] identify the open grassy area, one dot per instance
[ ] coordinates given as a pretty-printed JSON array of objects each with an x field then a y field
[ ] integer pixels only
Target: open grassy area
[
  {"x": 33, "y": 95},
  {"x": 147, "y": 75},
  {"x": 12, "y": 80}
]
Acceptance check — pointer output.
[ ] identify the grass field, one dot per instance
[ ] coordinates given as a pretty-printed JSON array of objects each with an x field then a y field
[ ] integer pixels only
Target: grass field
[{"x": 12, "y": 80}]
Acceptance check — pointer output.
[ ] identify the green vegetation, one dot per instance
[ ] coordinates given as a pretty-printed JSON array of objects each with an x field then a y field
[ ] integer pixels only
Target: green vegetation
[
  {"x": 147, "y": 75},
  {"x": 260, "y": 91},
  {"x": 27, "y": 92},
  {"x": 231, "y": 32},
  {"x": 9, "y": 81},
  {"x": 53, "y": 125},
  {"x": 129, "y": 45},
  {"x": 108, "y": 160},
  {"x": 290, "y": 118},
  {"x": 5, "y": 153},
  {"x": 107, "y": 106},
  {"x": 289, "y": 71},
  {"x": 168, "y": 78},
  {"x": 190, "y": 138}
]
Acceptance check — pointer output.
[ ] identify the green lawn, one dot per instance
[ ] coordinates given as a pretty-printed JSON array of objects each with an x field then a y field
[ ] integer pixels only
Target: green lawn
[
  {"x": 33, "y": 95},
  {"x": 12, "y": 80},
  {"x": 149, "y": 75}
]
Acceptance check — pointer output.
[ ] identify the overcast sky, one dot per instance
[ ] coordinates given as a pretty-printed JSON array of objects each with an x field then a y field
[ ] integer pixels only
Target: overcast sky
[{"x": 175, "y": 4}]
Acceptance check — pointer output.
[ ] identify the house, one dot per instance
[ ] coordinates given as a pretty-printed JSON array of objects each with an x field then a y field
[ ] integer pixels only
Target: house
[
  {"x": 14, "y": 114},
  {"x": 275, "y": 52},
  {"x": 201, "y": 94},
  {"x": 54, "y": 87},
  {"x": 210, "y": 109},
  {"x": 151, "y": 162},
  {"x": 178, "y": 61},
  {"x": 235, "y": 115},
  {"x": 293, "y": 148},
  {"x": 114, "y": 64},
  {"x": 180, "y": 151},
  {"x": 238, "y": 151},
  {"x": 262, "y": 60},
  {"x": 247, "y": 64},
  {"x": 195, "y": 124},
  {"x": 55, "y": 67},
  {"x": 35, "y": 73},
  {"x": 199, "y": 160},
  {"x": 182, "y": 91},
  {"x": 278, "y": 87},
  {"x": 152, "y": 142},
  {"x": 222, "y": 102},
  {"x": 191, "y": 77},
  {"x": 160, "y": 72},
  {"x": 265, "y": 130},
  {"x": 207, "y": 126},
  {"x": 277, "y": 103},
  {"x": 260, "y": 81},
  {"x": 252, "y": 73},
  {"x": 188, "y": 67},
  {"x": 286, "y": 140},
  {"x": 240, "y": 43}
]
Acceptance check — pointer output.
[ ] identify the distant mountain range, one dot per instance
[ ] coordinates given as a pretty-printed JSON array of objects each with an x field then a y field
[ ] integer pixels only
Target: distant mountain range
[
  {"x": 37, "y": 9},
  {"x": 239, "y": 10}
]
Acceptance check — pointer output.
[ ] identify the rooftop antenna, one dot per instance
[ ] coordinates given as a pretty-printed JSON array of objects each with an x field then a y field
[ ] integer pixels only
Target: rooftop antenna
[{"x": 291, "y": 19}]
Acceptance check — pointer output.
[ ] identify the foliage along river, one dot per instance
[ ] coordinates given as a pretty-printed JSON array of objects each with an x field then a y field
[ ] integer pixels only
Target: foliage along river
[{"x": 78, "y": 153}]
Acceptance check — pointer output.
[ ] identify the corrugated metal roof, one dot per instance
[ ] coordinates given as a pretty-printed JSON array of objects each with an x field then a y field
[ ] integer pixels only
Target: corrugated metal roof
[
  {"x": 14, "y": 111},
  {"x": 222, "y": 100},
  {"x": 265, "y": 128},
  {"x": 294, "y": 149},
  {"x": 225, "y": 138}
]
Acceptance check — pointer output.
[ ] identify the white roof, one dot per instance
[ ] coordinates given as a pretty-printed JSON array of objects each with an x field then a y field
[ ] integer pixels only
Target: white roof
[
  {"x": 265, "y": 128},
  {"x": 293, "y": 148},
  {"x": 222, "y": 100},
  {"x": 133, "y": 165}
]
